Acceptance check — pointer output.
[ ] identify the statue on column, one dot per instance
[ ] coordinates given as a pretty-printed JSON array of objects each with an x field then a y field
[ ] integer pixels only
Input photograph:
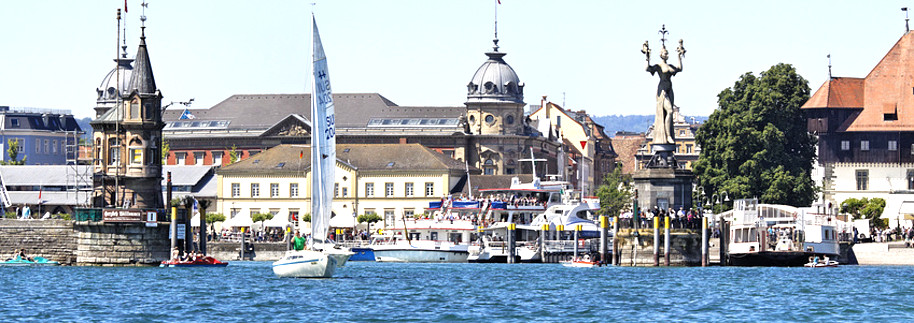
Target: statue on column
[{"x": 663, "y": 121}]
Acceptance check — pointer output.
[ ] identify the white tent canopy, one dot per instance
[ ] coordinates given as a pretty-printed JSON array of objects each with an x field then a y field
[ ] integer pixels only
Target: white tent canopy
[
  {"x": 276, "y": 222},
  {"x": 342, "y": 221},
  {"x": 241, "y": 220},
  {"x": 195, "y": 221}
]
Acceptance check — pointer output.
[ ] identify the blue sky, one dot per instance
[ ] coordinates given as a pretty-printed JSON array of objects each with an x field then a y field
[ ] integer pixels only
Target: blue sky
[{"x": 583, "y": 53}]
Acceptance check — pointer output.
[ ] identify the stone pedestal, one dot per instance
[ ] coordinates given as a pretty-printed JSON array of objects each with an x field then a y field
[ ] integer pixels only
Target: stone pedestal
[{"x": 664, "y": 188}]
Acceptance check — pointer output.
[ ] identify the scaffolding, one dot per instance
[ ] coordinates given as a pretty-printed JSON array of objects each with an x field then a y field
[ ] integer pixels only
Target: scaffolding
[{"x": 79, "y": 171}]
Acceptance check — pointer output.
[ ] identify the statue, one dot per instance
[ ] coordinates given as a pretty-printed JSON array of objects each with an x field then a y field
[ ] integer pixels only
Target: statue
[{"x": 663, "y": 121}]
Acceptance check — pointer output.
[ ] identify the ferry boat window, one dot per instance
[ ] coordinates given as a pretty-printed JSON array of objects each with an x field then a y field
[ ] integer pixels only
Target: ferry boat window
[
  {"x": 455, "y": 237},
  {"x": 433, "y": 235}
]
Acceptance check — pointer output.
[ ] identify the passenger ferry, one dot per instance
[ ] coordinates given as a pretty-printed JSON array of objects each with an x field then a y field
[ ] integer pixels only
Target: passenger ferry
[{"x": 777, "y": 235}]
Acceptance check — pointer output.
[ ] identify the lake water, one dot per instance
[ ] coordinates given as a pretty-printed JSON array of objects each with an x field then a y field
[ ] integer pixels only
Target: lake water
[{"x": 367, "y": 291}]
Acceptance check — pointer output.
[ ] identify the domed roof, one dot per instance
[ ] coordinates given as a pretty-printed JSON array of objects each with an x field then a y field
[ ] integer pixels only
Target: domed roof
[
  {"x": 495, "y": 81},
  {"x": 106, "y": 90}
]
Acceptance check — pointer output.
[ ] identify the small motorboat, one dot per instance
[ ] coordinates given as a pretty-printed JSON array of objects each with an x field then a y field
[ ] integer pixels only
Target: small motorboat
[
  {"x": 584, "y": 262},
  {"x": 199, "y": 262},
  {"x": 816, "y": 263},
  {"x": 36, "y": 261}
]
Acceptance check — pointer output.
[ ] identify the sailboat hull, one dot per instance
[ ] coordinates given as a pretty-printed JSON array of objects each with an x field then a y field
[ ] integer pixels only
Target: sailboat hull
[
  {"x": 305, "y": 264},
  {"x": 340, "y": 255}
]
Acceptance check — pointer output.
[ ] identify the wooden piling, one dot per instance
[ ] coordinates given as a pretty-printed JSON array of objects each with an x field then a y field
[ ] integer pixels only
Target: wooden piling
[
  {"x": 656, "y": 241},
  {"x": 543, "y": 230},
  {"x": 666, "y": 241},
  {"x": 512, "y": 250},
  {"x": 704, "y": 242}
]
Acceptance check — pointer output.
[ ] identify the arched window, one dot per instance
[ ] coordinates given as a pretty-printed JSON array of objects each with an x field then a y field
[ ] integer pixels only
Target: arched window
[{"x": 509, "y": 119}]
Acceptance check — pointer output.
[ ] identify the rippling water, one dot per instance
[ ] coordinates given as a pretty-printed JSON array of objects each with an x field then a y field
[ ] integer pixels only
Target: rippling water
[{"x": 458, "y": 292}]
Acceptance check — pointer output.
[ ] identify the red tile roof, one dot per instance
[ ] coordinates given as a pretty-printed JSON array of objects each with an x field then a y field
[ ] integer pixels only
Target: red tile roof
[{"x": 889, "y": 87}]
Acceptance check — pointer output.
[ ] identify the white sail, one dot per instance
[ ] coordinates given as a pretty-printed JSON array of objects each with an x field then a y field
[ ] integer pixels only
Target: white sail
[{"x": 323, "y": 141}]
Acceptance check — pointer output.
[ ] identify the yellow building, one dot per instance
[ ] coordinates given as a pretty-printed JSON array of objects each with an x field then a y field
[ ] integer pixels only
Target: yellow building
[
  {"x": 391, "y": 180},
  {"x": 687, "y": 150}
]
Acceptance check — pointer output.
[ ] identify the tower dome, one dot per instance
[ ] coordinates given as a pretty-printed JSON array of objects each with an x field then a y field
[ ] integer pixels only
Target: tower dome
[
  {"x": 107, "y": 90},
  {"x": 495, "y": 81}
]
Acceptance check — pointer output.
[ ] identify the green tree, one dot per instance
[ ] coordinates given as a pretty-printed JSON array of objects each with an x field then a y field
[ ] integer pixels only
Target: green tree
[
  {"x": 12, "y": 150},
  {"x": 864, "y": 208},
  {"x": 257, "y": 217},
  {"x": 165, "y": 149},
  {"x": 214, "y": 217},
  {"x": 306, "y": 217},
  {"x": 368, "y": 218},
  {"x": 233, "y": 155},
  {"x": 756, "y": 144},
  {"x": 615, "y": 193}
]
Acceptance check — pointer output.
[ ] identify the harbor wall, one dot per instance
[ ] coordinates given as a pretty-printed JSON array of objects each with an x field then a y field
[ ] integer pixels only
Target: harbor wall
[
  {"x": 258, "y": 251},
  {"x": 883, "y": 254},
  {"x": 121, "y": 244},
  {"x": 685, "y": 247},
  {"x": 52, "y": 239}
]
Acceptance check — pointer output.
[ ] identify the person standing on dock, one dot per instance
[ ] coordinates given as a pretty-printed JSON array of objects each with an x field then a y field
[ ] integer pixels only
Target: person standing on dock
[{"x": 298, "y": 242}]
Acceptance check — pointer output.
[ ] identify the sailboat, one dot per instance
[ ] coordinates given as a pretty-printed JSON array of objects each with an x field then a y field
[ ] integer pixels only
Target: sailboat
[{"x": 315, "y": 263}]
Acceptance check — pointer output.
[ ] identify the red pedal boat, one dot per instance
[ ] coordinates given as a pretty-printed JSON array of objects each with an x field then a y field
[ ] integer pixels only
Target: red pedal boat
[{"x": 199, "y": 262}]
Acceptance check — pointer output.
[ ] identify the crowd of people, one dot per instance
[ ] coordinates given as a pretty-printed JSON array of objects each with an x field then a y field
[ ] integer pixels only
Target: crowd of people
[{"x": 682, "y": 219}]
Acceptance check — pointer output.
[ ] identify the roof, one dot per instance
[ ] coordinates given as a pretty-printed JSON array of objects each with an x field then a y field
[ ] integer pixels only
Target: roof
[
  {"x": 41, "y": 175},
  {"x": 185, "y": 175},
  {"x": 364, "y": 157},
  {"x": 39, "y": 121},
  {"x": 142, "y": 79},
  {"x": 838, "y": 92},
  {"x": 886, "y": 90}
]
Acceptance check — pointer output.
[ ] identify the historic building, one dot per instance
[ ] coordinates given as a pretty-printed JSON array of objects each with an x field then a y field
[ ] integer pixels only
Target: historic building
[
  {"x": 391, "y": 180},
  {"x": 626, "y": 146},
  {"x": 865, "y": 128},
  {"x": 128, "y": 136},
  {"x": 588, "y": 150},
  {"x": 44, "y": 136},
  {"x": 491, "y": 131}
]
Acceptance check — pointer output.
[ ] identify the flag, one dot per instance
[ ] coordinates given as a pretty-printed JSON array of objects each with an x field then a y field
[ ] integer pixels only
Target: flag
[
  {"x": 39, "y": 194},
  {"x": 583, "y": 144},
  {"x": 186, "y": 115},
  {"x": 301, "y": 154},
  {"x": 125, "y": 5}
]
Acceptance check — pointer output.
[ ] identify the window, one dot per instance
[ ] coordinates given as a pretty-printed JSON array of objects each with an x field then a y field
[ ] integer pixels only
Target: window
[
  {"x": 54, "y": 146},
  {"x": 389, "y": 218},
  {"x": 37, "y": 146},
  {"x": 345, "y": 191},
  {"x": 14, "y": 122},
  {"x": 21, "y": 143},
  {"x": 408, "y": 213},
  {"x": 114, "y": 156},
  {"x": 845, "y": 145},
  {"x": 293, "y": 214},
  {"x": 47, "y": 146},
  {"x": 198, "y": 158},
  {"x": 490, "y": 119},
  {"x": 234, "y": 213},
  {"x": 254, "y": 211},
  {"x": 180, "y": 158},
  {"x": 688, "y": 148},
  {"x": 893, "y": 145},
  {"x": 864, "y": 145},
  {"x": 369, "y": 189},
  {"x": 236, "y": 190},
  {"x": 388, "y": 189},
  {"x": 274, "y": 189},
  {"x": 136, "y": 156},
  {"x": 217, "y": 158},
  {"x": 911, "y": 179},
  {"x": 862, "y": 179},
  {"x": 255, "y": 189},
  {"x": 429, "y": 189},
  {"x": 409, "y": 189},
  {"x": 509, "y": 171},
  {"x": 293, "y": 190},
  {"x": 336, "y": 189}
]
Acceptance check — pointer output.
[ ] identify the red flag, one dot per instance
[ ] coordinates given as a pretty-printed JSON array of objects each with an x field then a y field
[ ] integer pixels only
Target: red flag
[
  {"x": 583, "y": 144},
  {"x": 125, "y": 6},
  {"x": 301, "y": 154},
  {"x": 39, "y": 194},
  {"x": 499, "y": 1}
]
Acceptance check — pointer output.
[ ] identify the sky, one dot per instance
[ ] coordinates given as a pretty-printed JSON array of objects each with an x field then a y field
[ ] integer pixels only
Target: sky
[{"x": 583, "y": 55}]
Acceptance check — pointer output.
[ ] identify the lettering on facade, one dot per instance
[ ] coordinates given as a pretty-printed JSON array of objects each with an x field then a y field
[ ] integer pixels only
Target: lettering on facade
[{"x": 122, "y": 215}]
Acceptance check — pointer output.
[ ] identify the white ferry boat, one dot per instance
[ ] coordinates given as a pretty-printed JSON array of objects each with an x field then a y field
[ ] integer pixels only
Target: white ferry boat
[
  {"x": 777, "y": 235},
  {"x": 426, "y": 240}
]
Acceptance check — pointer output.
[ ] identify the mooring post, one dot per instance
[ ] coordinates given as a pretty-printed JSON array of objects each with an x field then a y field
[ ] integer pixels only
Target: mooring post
[
  {"x": 577, "y": 230},
  {"x": 512, "y": 248},
  {"x": 543, "y": 230},
  {"x": 656, "y": 240},
  {"x": 614, "y": 260},
  {"x": 704, "y": 242},
  {"x": 288, "y": 237},
  {"x": 666, "y": 241},
  {"x": 724, "y": 238},
  {"x": 242, "y": 244},
  {"x": 604, "y": 249},
  {"x": 173, "y": 226}
]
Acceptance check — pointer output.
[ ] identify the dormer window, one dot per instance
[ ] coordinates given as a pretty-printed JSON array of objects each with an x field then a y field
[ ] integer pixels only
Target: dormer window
[
  {"x": 491, "y": 88},
  {"x": 14, "y": 122}
]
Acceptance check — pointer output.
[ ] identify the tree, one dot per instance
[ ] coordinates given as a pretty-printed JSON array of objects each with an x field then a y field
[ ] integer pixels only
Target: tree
[
  {"x": 865, "y": 208},
  {"x": 257, "y": 217},
  {"x": 214, "y": 217},
  {"x": 615, "y": 193},
  {"x": 756, "y": 143},
  {"x": 12, "y": 150},
  {"x": 165, "y": 149},
  {"x": 233, "y": 155},
  {"x": 369, "y": 218}
]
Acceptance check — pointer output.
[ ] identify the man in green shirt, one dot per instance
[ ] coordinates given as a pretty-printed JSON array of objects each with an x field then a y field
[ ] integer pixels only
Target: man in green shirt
[{"x": 298, "y": 242}]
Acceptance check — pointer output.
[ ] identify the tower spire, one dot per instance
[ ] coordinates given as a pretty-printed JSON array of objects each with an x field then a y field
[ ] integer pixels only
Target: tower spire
[
  {"x": 906, "y": 27},
  {"x": 829, "y": 66},
  {"x": 495, "y": 48}
]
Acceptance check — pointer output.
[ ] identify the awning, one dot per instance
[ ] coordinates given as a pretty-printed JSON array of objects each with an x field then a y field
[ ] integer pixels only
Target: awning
[
  {"x": 241, "y": 220},
  {"x": 896, "y": 208},
  {"x": 276, "y": 222},
  {"x": 342, "y": 221}
]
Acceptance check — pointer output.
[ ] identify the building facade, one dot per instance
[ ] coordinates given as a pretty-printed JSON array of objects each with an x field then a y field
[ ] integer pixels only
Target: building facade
[
  {"x": 43, "y": 136},
  {"x": 865, "y": 128},
  {"x": 687, "y": 150},
  {"x": 391, "y": 180}
]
